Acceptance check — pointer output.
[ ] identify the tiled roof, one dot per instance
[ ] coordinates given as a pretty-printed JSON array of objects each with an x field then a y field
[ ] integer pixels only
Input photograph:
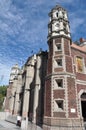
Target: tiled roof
[{"x": 81, "y": 48}]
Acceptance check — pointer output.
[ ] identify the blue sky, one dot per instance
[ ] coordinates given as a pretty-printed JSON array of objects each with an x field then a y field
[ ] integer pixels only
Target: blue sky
[{"x": 23, "y": 29}]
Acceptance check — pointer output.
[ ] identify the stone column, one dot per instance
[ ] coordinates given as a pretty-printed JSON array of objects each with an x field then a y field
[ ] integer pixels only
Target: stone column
[
  {"x": 61, "y": 27},
  {"x": 11, "y": 104},
  {"x": 29, "y": 79},
  {"x": 16, "y": 109},
  {"x": 37, "y": 88},
  {"x": 12, "y": 96},
  {"x": 18, "y": 91},
  {"x": 60, "y": 14}
]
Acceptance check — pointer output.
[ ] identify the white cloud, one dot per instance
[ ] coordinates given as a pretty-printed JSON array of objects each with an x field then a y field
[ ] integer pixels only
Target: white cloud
[
  {"x": 75, "y": 23},
  {"x": 4, "y": 74},
  {"x": 23, "y": 27},
  {"x": 63, "y": 1},
  {"x": 4, "y": 6}
]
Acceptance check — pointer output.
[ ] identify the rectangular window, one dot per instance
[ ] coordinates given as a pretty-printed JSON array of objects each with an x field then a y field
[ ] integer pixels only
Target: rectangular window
[
  {"x": 64, "y": 25},
  {"x": 57, "y": 14},
  {"x": 65, "y": 28},
  {"x": 79, "y": 64},
  {"x": 59, "y": 62},
  {"x": 63, "y": 14},
  {"x": 58, "y": 105},
  {"x": 59, "y": 83},
  {"x": 58, "y": 47}
]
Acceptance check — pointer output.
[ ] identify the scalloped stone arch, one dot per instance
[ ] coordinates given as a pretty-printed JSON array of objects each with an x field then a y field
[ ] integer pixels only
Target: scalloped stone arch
[
  {"x": 82, "y": 102},
  {"x": 81, "y": 92}
]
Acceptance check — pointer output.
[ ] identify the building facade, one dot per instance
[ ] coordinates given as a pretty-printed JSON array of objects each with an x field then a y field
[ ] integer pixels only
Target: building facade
[
  {"x": 51, "y": 87},
  {"x": 25, "y": 94},
  {"x": 65, "y": 85}
]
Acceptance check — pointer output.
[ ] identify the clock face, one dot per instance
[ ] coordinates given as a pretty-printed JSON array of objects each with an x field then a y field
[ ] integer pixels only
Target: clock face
[{"x": 57, "y": 24}]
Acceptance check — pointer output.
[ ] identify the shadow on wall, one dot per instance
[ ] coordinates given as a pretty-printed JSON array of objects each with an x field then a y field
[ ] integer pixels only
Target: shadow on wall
[{"x": 40, "y": 107}]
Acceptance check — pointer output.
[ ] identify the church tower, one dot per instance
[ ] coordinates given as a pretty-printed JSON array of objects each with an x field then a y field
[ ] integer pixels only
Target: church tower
[
  {"x": 58, "y": 24},
  {"x": 60, "y": 111}
]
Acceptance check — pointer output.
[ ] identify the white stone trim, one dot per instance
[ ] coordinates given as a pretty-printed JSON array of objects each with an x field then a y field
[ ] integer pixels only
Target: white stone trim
[
  {"x": 56, "y": 109},
  {"x": 52, "y": 97},
  {"x": 63, "y": 46},
  {"x": 56, "y": 87},
  {"x": 53, "y": 55},
  {"x": 82, "y": 82},
  {"x": 54, "y": 47},
  {"x": 64, "y": 63},
  {"x": 76, "y": 97},
  {"x": 66, "y": 97},
  {"x": 79, "y": 98}
]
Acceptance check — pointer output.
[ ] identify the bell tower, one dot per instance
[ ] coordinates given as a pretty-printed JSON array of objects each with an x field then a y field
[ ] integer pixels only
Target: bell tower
[
  {"x": 58, "y": 24},
  {"x": 60, "y": 107}
]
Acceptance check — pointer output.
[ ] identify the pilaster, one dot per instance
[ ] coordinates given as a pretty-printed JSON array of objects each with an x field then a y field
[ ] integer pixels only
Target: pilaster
[
  {"x": 37, "y": 88},
  {"x": 29, "y": 78}
]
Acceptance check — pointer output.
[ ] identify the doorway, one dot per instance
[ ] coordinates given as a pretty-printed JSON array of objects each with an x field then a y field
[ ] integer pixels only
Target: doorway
[{"x": 83, "y": 105}]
